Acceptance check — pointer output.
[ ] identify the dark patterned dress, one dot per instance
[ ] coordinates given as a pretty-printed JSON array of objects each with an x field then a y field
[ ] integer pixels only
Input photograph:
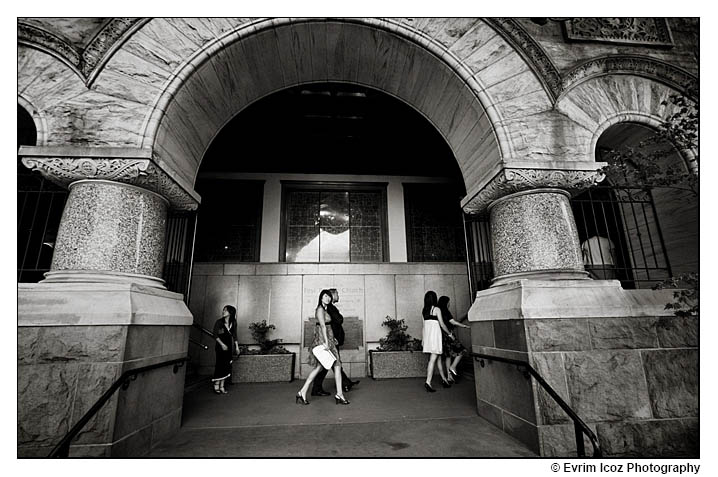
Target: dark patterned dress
[
  {"x": 452, "y": 347},
  {"x": 319, "y": 339}
]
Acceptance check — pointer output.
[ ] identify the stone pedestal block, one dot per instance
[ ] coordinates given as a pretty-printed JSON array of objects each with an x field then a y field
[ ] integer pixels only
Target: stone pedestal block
[
  {"x": 74, "y": 341},
  {"x": 629, "y": 370}
]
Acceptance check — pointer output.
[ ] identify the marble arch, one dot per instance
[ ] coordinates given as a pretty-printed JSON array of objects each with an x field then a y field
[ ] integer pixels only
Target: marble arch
[{"x": 256, "y": 60}]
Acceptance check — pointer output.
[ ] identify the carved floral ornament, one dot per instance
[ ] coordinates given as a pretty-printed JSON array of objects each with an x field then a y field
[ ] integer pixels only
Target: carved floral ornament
[
  {"x": 511, "y": 180},
  {"x": 139, "y": 172}
]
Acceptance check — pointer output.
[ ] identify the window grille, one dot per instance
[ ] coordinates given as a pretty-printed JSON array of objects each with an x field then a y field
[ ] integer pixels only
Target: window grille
[
  {"x": 433, "y": 223},
  {"x": 181, "y": 228},
  {"x": 39, "y": 208},
  {"x": 333, "y": 222},
  {"x": 620, "y": 236},
  {"x": 478, "y": 252}
]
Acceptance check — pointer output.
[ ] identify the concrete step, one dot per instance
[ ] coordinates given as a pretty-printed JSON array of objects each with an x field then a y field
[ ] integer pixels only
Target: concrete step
[{"x": 388, "y": 418}]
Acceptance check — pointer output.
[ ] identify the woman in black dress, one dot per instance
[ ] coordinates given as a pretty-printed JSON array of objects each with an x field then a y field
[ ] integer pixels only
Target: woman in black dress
[
  {"x": 225, "y": 332},
  {"x": 452, "y": 349}
]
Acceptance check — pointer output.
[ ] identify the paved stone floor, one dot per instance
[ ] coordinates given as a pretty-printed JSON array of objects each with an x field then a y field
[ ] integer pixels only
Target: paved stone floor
[{"x": 388, "y": 418}]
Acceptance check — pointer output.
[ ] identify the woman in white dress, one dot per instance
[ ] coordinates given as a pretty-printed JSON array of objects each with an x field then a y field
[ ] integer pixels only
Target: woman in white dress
[{"x": 431, "y": 339}]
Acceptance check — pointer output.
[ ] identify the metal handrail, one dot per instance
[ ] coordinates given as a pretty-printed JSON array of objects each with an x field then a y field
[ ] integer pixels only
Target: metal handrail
[
  {"x": 63, "y": 448},
  {"x": 579, "y": 426},
  {"x": 195, "y": 342},
  {"x": 203, "y": 329}
]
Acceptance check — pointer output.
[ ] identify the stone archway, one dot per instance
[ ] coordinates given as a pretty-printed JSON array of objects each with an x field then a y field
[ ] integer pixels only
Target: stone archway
[{"x": 253, "y": 63}]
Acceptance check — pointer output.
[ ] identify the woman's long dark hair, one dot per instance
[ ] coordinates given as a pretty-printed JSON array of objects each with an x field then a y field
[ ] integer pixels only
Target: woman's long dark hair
[
  {"x": 443, "y": 305},
  {"x": 321, "y": 294},
  {"x": 429, "y": 301},
  {"x": 232, "y": 312}
]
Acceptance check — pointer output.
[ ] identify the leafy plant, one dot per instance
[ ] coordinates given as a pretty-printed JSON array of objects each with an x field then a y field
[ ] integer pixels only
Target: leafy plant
[
  {"x": 686, "y": 299},
  {"x": 260, "y": 331},
  {"x": 397, "y": 339}
]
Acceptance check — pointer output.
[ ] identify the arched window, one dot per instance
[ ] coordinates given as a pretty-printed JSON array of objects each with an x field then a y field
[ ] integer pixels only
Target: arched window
[
  {"x": 634, "y": 230},
  {"x": 39, "y": 209}
]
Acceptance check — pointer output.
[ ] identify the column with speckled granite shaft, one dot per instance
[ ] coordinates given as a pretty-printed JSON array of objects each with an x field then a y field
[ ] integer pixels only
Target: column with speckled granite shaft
[
  {"x": 110, "y": 232},
  {"x": 534, "y": 235}
]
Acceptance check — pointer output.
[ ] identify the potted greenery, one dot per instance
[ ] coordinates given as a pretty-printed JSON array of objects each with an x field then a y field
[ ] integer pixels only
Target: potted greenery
[
  {"x": 398, "y": 355},
  {"x": 270, "y": 362}
]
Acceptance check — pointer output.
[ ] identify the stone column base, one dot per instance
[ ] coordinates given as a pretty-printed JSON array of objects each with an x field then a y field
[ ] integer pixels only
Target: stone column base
[
  {"x": 74, "y": 341},
  {"x": 627, "y": 366}
]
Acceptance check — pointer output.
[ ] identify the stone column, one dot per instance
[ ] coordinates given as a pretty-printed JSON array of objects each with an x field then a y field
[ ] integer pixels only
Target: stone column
[
  {"x": 533, "y": 235},
  {"x": 627, "y": 366},
  {"x": 110, "y": 232},
  {"x": 103, "y": 308}
]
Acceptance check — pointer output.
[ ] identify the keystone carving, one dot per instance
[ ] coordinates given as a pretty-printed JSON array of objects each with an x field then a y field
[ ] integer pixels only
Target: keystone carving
[
  {"x": 510, "y": 180},
  {"x": 628, "y": 30},
  {"x": 140, "y": 172}
]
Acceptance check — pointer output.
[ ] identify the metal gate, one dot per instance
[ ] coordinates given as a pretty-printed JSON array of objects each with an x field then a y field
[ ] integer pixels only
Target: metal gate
[{"x": 619, "y": 234}]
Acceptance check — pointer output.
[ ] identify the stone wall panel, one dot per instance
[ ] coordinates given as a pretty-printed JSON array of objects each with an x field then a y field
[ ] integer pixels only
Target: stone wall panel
[
  {"x": 607, "y": 385},
  {"x": 550, "y": 367},
  {"x": 672, "y": 377},
  {"x": 92, "y": 382},
  {"x": 558, "y": 335},
  {"x": 44, "y": 411},
  {"x": 81, "y": 343},
  {"x": 652, "y": 438},
  {"x": 677, "y": 332},
  {"x": 510, "y": 334},
  {"x": 624, "y": 333}
]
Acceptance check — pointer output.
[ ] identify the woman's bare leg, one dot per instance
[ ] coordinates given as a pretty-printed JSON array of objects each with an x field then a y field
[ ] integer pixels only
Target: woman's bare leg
[
  {"x": 310, "y": 378},
  {"x": 456, "y": 363},
  {"x": 338, "y": 378},
  {"x": 430, "y": 368}
]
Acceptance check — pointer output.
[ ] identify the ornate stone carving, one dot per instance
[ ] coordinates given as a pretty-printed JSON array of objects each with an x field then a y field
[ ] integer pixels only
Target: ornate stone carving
[
  {"x": 639, "y": 65},
  {"x": 84, "y": 62},
  {"x": 140, "y": 172},
  {"x": 637, "y": 31},
  {"x": 542, "y": 65},
  {"x": 106, "y": 42},
  {"x": 37, "y": 37},
  {"x": 510, "y": 180}
]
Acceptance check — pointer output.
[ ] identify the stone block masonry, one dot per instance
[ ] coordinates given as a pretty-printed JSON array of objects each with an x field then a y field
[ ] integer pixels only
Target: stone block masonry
[{"x": 632, "y": 379}]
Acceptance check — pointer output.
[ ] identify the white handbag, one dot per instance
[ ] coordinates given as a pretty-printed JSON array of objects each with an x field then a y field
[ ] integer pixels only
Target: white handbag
[{"x": 324, "y": 356}]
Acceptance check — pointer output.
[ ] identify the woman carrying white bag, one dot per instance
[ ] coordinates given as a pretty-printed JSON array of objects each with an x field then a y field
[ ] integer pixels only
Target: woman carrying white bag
[{"x": 323, "y": 351}]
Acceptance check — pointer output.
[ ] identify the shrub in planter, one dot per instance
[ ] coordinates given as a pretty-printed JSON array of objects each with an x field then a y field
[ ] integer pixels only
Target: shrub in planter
[
  {"x": 270, "y": 363},
  {"x": 398, "y": 355}
]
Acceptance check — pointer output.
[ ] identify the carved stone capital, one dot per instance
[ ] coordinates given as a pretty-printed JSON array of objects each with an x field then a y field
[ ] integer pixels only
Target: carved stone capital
[
  {"x": 516, "y": 179},
  {"x": 139, "y": 171}
]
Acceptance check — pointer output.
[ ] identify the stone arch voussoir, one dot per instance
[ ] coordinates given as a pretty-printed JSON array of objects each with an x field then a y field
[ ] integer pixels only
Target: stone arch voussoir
[{"x": 389, "y": 58}]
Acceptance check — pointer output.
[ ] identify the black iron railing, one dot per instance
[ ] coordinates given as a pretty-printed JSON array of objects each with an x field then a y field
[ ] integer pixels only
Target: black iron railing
[
  {"x": 63, "y": 448},
  {"x": 580, "y": 427}
]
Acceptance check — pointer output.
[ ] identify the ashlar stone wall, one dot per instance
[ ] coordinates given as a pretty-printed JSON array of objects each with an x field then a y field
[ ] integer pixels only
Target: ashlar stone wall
[{"x": 633, "y": 380}]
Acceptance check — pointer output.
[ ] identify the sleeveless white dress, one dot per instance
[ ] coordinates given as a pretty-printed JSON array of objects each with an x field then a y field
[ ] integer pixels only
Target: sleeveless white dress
[{"x": 431, "y": 338}]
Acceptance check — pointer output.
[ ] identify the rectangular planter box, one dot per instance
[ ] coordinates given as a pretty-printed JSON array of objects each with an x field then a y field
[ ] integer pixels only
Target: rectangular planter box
[
  {"x": 397, "y": 364},
  {"x": 263, "y": 368}
]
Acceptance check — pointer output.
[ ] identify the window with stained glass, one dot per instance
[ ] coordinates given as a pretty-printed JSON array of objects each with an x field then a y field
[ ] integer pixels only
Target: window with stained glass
[
  {"x": 334, "y": 223},
  {"x": 434, "y": 228}
]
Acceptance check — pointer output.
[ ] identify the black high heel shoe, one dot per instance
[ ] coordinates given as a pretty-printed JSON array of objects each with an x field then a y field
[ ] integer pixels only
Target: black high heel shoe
[
  {"x": 428, "y": 388},
  {"x": 445, "y": 383},
  {"x": 299, "y": 399},
  {"x": 340, "y": 400}
]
